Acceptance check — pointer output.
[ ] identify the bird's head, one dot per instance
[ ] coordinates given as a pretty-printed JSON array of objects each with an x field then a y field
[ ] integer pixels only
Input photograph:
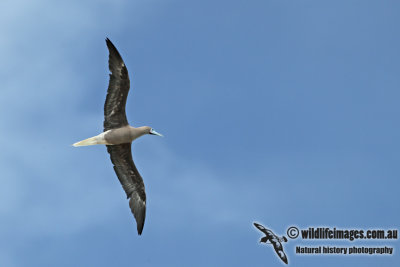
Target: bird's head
[{"x": 152, "y": 131}]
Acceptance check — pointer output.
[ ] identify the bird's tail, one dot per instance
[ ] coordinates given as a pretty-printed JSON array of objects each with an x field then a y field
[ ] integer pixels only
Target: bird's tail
[
  {"x": 87, "y": 142},
  {"x": 95, "y": 140}
]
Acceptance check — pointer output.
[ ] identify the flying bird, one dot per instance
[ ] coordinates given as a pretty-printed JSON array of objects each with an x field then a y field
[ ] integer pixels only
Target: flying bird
[
  {"x": 274, "y": 240},
  {"x": 118, "y": 136}
]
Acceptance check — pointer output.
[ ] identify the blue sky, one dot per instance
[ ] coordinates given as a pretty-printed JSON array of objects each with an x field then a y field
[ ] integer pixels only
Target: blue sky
[{"x": 281, "y": 112}]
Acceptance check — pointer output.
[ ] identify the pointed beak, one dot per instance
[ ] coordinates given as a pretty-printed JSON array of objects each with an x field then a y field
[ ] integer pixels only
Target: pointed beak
[{"x": 152, "y": 131}]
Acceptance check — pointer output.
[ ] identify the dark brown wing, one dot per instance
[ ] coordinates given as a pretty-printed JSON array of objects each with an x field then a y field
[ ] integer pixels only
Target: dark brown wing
[
  {"x": 131, "y": 181},
  {"x": 118, "y": 89},
  {"x": 263, "y": 229},
  {"x": 279, "y": 250}
]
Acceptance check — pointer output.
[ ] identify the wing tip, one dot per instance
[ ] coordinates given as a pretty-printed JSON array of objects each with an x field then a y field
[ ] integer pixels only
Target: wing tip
[
  {"x": 140, "y": 225},
  {"x": 114, "y": 55},
  {"x": 110, "y": 45},
  {"x": 139, "y": 229},
  {"x": 138, "y": 208}
]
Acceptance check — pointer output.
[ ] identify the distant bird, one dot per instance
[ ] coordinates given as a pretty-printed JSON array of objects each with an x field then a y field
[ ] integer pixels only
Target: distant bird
[
  {"x": 118, "y": 136},
  {"x": 274, "y": 240}
]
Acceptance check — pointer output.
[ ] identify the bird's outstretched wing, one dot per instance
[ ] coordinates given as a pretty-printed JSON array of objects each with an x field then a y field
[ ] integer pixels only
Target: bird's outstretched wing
[
  {"x": 118, "y": 89},
  {"x": 279, "y": 250},
  {"x": 131, "y": 181},
  {"x": 262, "y": 229}
]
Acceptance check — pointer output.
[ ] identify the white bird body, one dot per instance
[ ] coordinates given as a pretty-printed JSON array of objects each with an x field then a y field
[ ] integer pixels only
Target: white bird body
[{"x": 125, "y": 134}]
